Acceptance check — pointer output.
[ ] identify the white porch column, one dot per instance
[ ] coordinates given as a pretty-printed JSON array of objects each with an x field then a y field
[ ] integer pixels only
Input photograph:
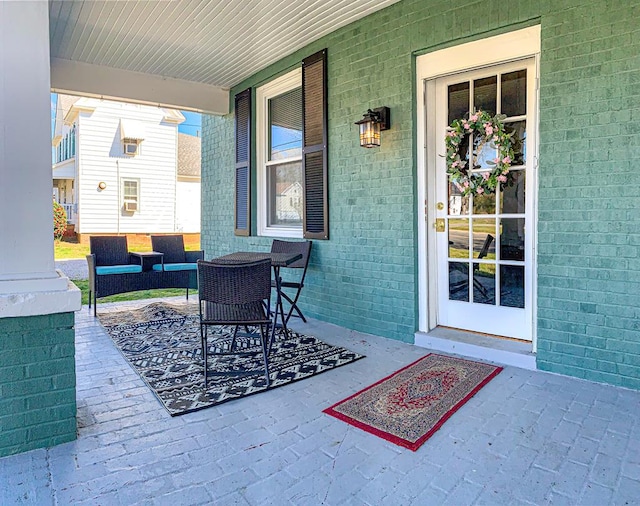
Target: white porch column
[{"x": 29, "y": 284}]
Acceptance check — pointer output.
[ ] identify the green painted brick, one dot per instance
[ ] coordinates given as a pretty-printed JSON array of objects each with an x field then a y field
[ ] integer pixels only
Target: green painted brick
[
  {"x": 37, "y": 382},
  {"x": 366, "y": 276}
]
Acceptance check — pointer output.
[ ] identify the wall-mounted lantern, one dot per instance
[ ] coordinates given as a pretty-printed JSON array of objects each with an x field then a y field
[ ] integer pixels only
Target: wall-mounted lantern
[{"x": 371, "y": 124}]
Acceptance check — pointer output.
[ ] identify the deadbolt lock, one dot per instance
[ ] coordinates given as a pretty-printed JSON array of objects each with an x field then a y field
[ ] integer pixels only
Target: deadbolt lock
[
  {"x": 439, "y": 206},
  {"x": 439, "y": 224}
]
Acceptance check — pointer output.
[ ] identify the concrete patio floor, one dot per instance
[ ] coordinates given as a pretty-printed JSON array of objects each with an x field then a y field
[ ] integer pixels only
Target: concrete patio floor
[{"x": 527, "y": 437}]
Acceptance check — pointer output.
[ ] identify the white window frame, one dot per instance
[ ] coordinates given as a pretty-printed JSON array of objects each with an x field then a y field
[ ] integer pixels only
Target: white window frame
[
  {"x": 264, "y": 93},
  {"x": 124, "y": 197}
]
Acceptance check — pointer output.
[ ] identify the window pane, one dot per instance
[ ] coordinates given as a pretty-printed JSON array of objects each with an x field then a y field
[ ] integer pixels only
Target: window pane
[
  {"x": 459, "y": 281},
  {"x": 130, "y": 190},
  {"x": 484, "y": 204},
  {"x": 512, "y": 285},
  {"x": 513, "y": 193},
  {"x": 459, "y": 238},
  {"x": 484, "y": 94},
  {"x": 483, "y": 241},
  {"x": 458, "y": 205},
  {"x": 514, "y": 93},
  {"x": 458, "y": 101},
  {"x": 512, "y": 239},
  {"x": 484, "y": 283},
  {"x": 285, "y": 194},
  {"x": 518, "y": 129},
  {"x": 285, "y": 125}
]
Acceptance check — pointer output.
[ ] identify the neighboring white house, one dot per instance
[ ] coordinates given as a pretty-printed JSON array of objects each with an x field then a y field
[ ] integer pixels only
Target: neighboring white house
[{"x": 116, "y": 168}]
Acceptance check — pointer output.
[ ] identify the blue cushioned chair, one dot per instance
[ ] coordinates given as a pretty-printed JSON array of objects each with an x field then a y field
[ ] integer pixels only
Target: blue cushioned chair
[
  {"x": 176, "y": 259},
  {"x": 112, "y": 269}
]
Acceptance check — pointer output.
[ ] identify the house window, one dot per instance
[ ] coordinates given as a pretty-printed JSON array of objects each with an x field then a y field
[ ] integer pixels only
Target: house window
[
  {"x": 291, "y": 154},
  {"x": 279, "y": 155},
  {"x": 130, "y": 195}
]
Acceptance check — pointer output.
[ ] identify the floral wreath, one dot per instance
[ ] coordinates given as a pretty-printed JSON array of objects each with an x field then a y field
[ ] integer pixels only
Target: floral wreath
[{"x": 487, "y": 129}]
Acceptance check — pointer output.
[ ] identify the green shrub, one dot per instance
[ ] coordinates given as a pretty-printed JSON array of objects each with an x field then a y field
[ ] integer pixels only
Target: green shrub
[{"x": 59, "y": 221}]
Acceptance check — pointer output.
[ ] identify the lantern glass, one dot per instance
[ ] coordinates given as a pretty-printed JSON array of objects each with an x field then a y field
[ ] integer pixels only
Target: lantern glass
[{"x": 369, "y": 134}]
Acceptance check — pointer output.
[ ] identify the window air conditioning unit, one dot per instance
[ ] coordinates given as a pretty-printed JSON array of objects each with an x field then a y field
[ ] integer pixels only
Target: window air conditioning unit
[
  {"x": 131, "y": 148},
  {"x": 130, "y": 205}
]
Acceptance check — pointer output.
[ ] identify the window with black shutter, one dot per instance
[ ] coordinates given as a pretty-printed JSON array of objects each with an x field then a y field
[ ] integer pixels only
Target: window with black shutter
[
  {"x": 291, "y": 154},
  {"x": 243, "y": 163}
]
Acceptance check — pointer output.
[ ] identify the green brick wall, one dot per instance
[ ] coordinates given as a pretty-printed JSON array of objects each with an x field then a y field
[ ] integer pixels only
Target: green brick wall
[
  {"x": 365, "y": 276},
  {"x": 37, "y": 382}
]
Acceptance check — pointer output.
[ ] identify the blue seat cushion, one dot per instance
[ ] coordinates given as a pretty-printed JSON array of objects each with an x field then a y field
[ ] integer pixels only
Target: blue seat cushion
[
  {"x": 118, "y": 269},
  {"x": 176, "y": 267}
]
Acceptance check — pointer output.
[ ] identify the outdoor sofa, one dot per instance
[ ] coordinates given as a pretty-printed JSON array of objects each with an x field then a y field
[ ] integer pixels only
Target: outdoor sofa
[{"x": 114, "y": 269}]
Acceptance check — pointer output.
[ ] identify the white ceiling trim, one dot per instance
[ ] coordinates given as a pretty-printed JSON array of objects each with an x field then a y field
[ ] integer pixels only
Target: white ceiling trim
[{"x": 75, "y": 78}]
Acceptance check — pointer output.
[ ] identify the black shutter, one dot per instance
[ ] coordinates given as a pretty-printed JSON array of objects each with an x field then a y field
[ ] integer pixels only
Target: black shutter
[
  {"x": 314, "y": 148},
  {"x": 243, "y": 163}
]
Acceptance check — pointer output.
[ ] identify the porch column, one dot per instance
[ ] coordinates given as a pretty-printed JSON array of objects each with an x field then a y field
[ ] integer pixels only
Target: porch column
[{"x": 37, "y": 370}]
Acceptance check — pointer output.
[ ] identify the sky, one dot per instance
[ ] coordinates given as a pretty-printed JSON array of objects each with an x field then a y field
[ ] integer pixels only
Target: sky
[{"x": 191, "y": 126}]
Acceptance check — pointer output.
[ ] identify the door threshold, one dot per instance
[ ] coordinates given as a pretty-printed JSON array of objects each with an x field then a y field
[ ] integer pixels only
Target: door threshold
[{"x": 480, "y": 346}]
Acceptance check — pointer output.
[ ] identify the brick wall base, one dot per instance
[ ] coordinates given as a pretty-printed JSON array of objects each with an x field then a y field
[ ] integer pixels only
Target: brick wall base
[{"x": 37, "y": 382}]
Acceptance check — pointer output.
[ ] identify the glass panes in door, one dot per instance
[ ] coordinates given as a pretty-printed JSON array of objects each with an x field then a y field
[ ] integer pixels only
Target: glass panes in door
[{"x": 487, "y": 233}]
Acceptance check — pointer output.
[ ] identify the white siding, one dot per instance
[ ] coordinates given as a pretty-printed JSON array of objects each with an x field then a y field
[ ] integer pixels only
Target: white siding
[
  {"x": 100, "y": 158},
  {"x": 188, "y": 207}
]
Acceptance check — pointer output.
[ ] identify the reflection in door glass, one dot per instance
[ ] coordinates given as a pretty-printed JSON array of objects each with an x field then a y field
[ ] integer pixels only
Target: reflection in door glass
[
  {"x": 484, "y": 154},
  {"x": 458, "y": 205},
  {"x": 459, "y": 281},
  {"x": 484, "y": 283},
  {"x": 458, "y": 101},
  {"x": 484, "y": 204},
  {"x": 514, "y": 93},
  {"x": 484, "y": 245},
  {"x": 512, "y": 195},
  {"x": 512, "y": 239},
  {"x": 512, "y": 285},
  {"x": 484, "y": 94},
  {"x": 518, "y": 129},
  {"x": 458, "y": 238}
]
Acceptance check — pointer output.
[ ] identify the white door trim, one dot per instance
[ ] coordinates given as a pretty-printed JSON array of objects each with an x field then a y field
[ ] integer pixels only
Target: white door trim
[{"x": 469, "y": 56}]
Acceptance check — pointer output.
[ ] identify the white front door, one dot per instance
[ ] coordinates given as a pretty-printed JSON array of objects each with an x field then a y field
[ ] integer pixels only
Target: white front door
[{"x": 484, "y": 245}]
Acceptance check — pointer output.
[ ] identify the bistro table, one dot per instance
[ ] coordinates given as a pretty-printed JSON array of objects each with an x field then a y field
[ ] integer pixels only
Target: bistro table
[{"x": 277, "y": 260}]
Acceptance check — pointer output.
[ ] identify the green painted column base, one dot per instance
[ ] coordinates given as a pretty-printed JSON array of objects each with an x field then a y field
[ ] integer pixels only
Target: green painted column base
[{"x": 37, "y": 382}]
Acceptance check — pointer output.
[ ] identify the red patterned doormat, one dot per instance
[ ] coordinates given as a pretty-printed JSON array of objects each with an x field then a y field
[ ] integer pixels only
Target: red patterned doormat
[{"x": 407, "y": 407}]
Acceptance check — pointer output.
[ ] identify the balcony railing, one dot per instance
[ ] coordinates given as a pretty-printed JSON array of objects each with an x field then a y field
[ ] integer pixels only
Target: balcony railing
[{"x": 70, "y": 209}]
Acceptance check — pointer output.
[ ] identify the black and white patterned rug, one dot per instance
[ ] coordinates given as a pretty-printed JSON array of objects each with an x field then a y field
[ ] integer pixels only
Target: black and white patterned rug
[{"x": 162, "y": 343}]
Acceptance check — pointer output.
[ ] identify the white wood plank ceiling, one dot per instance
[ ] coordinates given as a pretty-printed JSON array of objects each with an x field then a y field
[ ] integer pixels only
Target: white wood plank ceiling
[{"x": 213, "y": 42}]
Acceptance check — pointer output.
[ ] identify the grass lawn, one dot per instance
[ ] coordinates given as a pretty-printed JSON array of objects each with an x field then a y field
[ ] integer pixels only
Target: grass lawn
[
  {"x": 66, "y": 249},
  {"x": 83, "y": 285}
]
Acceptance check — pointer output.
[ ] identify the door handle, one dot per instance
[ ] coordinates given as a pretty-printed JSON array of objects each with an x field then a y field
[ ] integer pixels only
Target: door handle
[{"x": 439, "y": 224}]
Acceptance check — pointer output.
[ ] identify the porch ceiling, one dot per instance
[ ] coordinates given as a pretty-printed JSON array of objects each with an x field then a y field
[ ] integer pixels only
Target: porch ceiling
[{"x": 207, "y": 46}]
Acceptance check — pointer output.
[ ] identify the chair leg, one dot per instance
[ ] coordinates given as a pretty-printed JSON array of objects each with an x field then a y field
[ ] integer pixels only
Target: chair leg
[
  {"x": 233, "y": 341},
  {"x": 95, "y": 305},
  {"x": 265, "y": 352},
  {"x": 187, "y": 293},
  {"x": 294, "y": 306},
  {"x": 203, "y": 342}
]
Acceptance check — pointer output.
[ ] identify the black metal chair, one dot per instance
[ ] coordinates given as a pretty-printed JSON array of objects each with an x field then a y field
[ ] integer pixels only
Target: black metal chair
[
  {"x": 176, "y": 260},
  {"x": 234, "y": 295},
  {"x": 304, "y": 248}
]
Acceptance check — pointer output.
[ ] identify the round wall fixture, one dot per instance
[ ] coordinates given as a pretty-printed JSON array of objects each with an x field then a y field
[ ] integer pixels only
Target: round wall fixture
[{"x": 102, "y": 185}]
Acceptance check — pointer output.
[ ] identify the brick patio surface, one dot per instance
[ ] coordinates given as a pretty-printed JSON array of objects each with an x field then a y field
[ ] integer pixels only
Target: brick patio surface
[{"x": 527, "y": 437}]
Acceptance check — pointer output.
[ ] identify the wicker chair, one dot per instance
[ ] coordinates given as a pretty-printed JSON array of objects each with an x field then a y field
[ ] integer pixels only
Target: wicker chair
[
  {"x": 234, "y": 295},
  {"x": 112, "y": 269},
  {"x": 178, "y": 265},
  {"x": 304, "y": 248}
]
